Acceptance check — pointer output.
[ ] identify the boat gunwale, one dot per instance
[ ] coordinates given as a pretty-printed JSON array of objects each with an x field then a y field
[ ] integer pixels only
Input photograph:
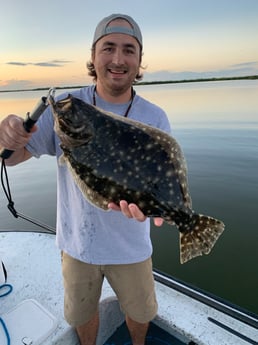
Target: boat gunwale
[{"x": 218, "y": 303}]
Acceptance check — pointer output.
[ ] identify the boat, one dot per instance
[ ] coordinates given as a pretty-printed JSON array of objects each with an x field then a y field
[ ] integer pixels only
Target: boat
[{"x": 32, "y": 313}]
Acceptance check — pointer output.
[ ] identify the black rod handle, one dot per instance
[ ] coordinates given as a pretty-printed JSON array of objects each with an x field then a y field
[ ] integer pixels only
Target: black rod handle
[{"x": 30, "y": 120}]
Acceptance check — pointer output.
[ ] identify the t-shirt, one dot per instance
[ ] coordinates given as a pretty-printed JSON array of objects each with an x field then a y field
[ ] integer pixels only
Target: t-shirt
[{"x": 84, "y": 231}]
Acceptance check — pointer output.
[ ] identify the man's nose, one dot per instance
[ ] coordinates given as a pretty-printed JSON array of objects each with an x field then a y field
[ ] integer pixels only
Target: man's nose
[{"x": 118, "y": 57}]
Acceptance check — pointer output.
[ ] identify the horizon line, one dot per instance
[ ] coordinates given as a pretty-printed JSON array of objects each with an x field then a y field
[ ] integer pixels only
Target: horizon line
[{"x": 143, "y": 83}]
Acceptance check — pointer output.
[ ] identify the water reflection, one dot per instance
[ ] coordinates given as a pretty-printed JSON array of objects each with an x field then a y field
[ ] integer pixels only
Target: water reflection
[
  {"x": 206, "y": 101},
  {"x": 221, "y": 101}
]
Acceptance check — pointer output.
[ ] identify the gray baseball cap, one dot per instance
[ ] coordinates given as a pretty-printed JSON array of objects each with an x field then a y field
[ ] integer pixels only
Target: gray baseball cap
[{"x": 103, "y": 29}]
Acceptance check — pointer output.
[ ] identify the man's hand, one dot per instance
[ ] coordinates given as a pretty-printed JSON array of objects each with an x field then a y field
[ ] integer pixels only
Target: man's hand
[
  {"x": 12, "y": 133},
  {"x": 14, "y": 137},
  {"x": 132, "y": 211}
]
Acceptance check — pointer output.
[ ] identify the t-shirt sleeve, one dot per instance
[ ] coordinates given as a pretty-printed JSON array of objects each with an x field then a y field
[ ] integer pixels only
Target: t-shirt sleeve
[
  {"x": 164, "y": 123},
  {"x": 43, "y": 141}
]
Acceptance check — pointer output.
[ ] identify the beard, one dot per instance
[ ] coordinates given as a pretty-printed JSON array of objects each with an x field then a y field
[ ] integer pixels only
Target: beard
[{"x": 116, "y": 80}]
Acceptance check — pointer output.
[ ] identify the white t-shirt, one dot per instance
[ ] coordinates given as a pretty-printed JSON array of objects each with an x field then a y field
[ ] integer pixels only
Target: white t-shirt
[{"x": 85, "y": 232}]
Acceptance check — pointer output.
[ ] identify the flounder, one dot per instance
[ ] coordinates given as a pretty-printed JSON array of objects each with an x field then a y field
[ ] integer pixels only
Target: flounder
[{"x": 113, "y": 158}]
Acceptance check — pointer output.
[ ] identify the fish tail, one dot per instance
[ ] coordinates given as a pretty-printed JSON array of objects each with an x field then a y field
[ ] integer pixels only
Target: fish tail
[{"x": 200, "y": 238}]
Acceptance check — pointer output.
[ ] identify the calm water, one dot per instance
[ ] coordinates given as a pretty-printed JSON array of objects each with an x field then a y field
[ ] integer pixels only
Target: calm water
[{"x": 216, "y": 123}]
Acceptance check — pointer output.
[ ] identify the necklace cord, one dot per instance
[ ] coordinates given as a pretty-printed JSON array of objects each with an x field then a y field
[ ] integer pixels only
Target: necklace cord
[{"x": 133, "y": 93}]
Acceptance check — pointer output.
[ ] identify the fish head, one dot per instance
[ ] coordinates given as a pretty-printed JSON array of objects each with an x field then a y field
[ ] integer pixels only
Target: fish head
[{"x": 72, "y": 121}]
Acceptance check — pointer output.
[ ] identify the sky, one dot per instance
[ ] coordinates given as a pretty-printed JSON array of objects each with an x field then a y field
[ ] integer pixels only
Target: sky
[{"x": 47, "y": 43}]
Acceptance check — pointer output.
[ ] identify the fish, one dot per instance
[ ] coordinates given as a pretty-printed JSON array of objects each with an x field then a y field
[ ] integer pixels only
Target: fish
[{"x": 113, "y": 158}]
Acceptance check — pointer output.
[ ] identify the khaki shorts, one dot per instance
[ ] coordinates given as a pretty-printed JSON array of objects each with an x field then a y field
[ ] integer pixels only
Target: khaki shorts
[{"x": 132, "y": 283}]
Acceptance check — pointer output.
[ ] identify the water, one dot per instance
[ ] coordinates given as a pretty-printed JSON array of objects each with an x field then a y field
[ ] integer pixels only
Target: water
[{"x": 216, "y": 124}]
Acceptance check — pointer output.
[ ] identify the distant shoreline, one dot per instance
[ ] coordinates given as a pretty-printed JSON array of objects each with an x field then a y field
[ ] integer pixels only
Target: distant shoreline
[{"x": 251, "y": 77}]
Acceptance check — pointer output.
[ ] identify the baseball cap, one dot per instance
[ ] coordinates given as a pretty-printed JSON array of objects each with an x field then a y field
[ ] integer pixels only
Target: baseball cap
[{"x": 103, "y": 29}]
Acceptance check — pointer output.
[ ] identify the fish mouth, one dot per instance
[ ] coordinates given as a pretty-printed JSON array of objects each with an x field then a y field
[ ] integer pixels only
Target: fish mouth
[
  {"x": 69, "y": 127},
  {"x": 69, "y": 136}
]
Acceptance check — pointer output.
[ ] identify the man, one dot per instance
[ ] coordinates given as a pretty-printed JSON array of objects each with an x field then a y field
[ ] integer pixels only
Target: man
[{"x": 95, "y": 243}]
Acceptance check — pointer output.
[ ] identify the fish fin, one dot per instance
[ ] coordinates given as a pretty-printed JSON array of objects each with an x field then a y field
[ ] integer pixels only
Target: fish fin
[
  {"x": 93, "y": 197},
  {"x": 201, "y": 239},
  {"x": 62, "y": 160}
]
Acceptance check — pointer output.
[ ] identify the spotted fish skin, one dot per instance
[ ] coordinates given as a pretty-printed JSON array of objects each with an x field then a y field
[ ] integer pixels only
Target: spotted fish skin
[{"x": 113, "y": 158}]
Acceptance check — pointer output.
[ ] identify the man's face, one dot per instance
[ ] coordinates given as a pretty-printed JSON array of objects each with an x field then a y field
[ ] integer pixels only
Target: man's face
[{"x": 116, "y": 60}]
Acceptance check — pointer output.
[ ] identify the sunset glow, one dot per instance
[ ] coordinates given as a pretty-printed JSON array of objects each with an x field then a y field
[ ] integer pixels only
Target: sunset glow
[{"x": 181, "y": 38}]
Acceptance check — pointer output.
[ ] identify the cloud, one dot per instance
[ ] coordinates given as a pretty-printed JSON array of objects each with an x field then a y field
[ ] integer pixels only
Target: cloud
[
  {"x": 246, "y": 64},
  {"x": 15, "y": 84},
  {"x": 237, "y": 70},
  {"x": 47, "y": 64},
  {"x": 16, "y": 63},
  {"x": 61, "y": 61},
  {"x": 52, "y": 63}
]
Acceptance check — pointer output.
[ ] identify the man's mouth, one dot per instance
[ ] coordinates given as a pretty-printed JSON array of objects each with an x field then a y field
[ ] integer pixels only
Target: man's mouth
[{"x": 118, "y": 72}]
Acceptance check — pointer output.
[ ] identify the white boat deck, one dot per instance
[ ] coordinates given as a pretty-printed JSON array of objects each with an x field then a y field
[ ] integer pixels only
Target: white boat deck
[{"x": 33, "y": 265}]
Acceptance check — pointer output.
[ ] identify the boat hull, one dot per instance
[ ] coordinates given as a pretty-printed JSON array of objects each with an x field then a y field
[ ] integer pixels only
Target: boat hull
[{"x": 33, "y": 266}]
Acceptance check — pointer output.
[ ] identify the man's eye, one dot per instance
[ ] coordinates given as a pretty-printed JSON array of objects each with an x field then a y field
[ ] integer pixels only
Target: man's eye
[{"x": 130, "y": 52}]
